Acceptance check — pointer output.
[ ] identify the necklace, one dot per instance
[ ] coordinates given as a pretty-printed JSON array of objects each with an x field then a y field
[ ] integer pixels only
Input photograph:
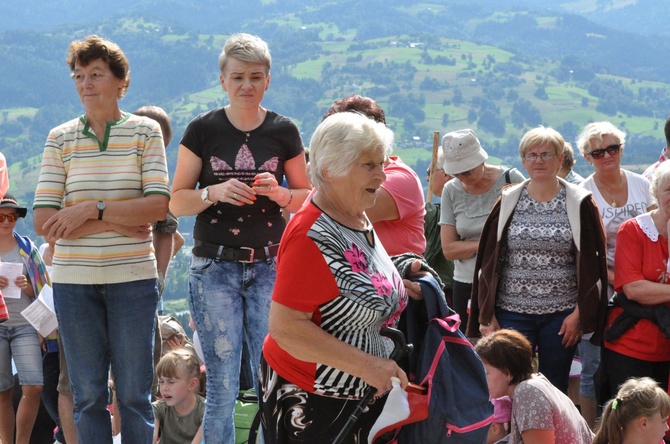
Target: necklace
[
  {"x": 357, "y": 224},
  {"x": 602, "y": 187}
]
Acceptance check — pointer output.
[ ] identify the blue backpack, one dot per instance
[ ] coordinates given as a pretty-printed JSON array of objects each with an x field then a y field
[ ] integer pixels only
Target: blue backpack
[{"x": 446, "y": 364}]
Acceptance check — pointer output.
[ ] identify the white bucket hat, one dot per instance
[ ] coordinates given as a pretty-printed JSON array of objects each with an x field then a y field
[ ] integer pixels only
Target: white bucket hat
[{"x": 462, "y": 151}]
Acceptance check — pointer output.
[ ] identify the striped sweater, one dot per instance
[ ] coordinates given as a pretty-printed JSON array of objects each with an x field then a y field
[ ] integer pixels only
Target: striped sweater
[{"x": 129, "y": 162}]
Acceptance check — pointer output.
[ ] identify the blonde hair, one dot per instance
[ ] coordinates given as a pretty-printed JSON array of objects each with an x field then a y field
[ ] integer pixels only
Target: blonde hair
[
  {"x": 637, "y": 398},
  {"x": 593, "y": 134},
  {"x": 247, "y": 48},
  {"x": 540, "y": 136},
  {"x": 180, "y": 363}
]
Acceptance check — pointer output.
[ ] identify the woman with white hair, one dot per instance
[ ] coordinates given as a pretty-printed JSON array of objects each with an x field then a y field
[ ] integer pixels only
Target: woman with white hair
[{"x": 336, "y": 289}]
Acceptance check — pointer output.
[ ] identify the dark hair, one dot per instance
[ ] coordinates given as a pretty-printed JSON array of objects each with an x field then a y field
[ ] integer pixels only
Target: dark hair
[
  {"x": 667, "y": 132},
  {"x": 92, "y": 48},
  {"x": 508, "y": 351},
  {"x": 358, "y": 103},
  {"x": 568, "y": 156},
  {"x": 159, "y": 115}
]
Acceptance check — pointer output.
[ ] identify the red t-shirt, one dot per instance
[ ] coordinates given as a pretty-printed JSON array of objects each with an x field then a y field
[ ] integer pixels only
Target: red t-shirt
[
  {"x": 636, "y": 258},
  {"x": 350, "y": 286}
]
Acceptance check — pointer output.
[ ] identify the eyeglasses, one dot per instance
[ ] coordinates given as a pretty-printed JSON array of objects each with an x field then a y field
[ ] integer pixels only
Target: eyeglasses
[
  {"x": 12, "y": 217},
  {"x": 532, "y": 157},
  {"x": 611, "y": 150}
]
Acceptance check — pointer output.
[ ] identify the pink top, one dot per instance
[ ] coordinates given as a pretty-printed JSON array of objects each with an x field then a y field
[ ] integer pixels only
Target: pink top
[
  {"x": 405, "y": 234},
  {"x": 4, "y": 176}
]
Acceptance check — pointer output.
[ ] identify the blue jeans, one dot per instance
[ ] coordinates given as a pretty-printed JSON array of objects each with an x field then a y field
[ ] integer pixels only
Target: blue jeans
[
  {"x": 21, "y": 344},
  {"x": 229, "y": 301},
  {"x": 542, "y": 332},
  {"x": 589, "y": 355},
  {"x": 102, "y": 325}
]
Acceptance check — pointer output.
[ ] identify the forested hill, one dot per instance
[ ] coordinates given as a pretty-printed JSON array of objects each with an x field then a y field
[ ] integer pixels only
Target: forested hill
[{"x": 499, "y": 67}]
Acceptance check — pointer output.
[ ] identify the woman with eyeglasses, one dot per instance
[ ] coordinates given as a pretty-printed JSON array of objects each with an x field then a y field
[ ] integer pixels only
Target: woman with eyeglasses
[
  {"x": 620, "y": 195},
  {"x": 466, "y": 203},
  {"x": 540, "y": 265}
]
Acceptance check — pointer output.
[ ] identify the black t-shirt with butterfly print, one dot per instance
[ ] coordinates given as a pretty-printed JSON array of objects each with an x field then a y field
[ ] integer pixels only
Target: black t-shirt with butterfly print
[{"x": 228, "y": 153}]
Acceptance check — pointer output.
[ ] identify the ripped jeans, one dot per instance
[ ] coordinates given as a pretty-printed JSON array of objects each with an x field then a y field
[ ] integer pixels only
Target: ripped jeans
[{"x": 229, "y": 301}]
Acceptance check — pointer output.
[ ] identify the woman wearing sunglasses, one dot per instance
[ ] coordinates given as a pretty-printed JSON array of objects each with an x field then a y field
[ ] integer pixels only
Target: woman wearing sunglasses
[
  {"x": 620, "y": 195},
  {"x": 541, "y": 266},
  {"x": 466, "y": 203},
  {"x": 20, "y": 283}
]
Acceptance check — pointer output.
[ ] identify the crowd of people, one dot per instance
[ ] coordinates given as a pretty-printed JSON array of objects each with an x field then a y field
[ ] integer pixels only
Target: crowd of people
[{"x": 298, "y": 305}]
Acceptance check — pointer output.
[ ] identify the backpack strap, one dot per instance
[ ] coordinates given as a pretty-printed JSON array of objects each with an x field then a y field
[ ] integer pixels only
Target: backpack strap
[
  {"x": 433, "y": 298},
  {"x": 508, "y": 180},
  {"x": 418, "y": 314}
]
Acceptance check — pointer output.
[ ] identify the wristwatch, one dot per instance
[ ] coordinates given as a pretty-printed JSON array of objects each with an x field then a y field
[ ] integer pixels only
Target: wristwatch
[
  {"x": 204, "y": 195},
  {"x": 101, "y": 207}
]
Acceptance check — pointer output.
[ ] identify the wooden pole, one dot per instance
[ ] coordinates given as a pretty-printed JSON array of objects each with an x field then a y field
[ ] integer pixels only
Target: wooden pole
[{"x": 431, "y": 169}]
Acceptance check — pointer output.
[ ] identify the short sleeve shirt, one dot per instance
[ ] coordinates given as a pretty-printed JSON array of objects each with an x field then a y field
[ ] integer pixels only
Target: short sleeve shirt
[
  {"x": 641, "y": 254},
  {"x": 177, "y": 429},
  {"x": 350, "y": 286},
  {"x": 228, "y": 153},
  {"x": 539, "y": 405},
  {"x": 468, "y": 212},
  {"x": 405, "y": 234}
]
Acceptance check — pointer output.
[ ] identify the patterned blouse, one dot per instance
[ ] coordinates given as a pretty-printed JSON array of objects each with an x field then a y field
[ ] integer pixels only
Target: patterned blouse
[{"x": 538, "y": 273}]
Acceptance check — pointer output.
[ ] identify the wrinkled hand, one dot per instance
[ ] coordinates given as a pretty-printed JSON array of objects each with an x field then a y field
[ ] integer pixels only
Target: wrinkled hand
[
  {"x": 233, "y": 192},
  {"x": 136, "y": 231},
  {"x": 488, "y": 329},
  {"x": 413, "y": 288},
  {"x": 66, "y": 220},
  {"x": 570, "y": 330},
  {"x": 378, "y": 374}
]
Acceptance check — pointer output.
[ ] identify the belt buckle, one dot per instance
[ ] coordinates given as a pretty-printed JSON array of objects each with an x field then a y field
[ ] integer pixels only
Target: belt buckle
[{"x": 251, "y": 255}]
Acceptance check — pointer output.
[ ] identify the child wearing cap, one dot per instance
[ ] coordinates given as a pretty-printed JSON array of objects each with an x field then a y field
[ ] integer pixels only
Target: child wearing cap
[
  {"x": 502, "y": 415},
  {"x": 22, "y": 276}
]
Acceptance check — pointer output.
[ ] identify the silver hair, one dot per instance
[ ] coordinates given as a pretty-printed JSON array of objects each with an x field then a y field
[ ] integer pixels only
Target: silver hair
[
  {"x": 340, "y": 140},
  {"x": 660, "y": 177}
]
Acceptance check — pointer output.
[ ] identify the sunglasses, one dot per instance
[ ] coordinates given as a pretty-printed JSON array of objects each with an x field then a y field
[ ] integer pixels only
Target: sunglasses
[
  {"x": 464, "y": 173},
  {"x": 12, "y": 217},
  {"x": 611, "y": 150}
]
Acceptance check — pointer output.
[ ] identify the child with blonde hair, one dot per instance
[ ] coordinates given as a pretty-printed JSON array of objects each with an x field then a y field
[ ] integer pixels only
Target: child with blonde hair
[
  {"x": 638, "y": 414},
  {"x": 180, "y": 411}
]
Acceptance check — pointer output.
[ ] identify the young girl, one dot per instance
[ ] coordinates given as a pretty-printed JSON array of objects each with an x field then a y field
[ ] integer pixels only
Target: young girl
[
  {"x": 638, "y": 414},
  {"x": 179, "y": 414},
  {"x": 18, "y": 339}
]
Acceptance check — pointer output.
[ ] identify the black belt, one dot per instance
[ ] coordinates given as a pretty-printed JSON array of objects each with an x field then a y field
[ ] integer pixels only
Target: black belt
[{"x": 244, "y": 255}]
